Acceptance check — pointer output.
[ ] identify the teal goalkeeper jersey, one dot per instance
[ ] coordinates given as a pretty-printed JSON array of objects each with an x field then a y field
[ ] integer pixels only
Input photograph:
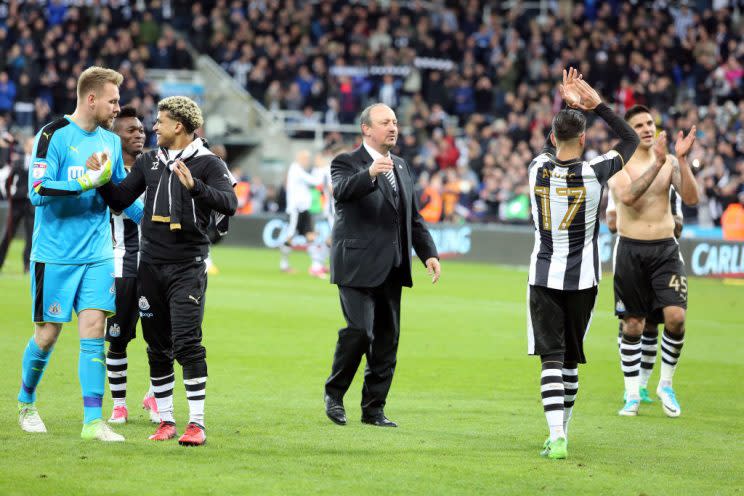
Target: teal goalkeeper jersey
[{"x": 70, "y": 226}]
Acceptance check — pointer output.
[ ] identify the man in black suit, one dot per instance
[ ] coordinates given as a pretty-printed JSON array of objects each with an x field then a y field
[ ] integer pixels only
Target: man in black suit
[{"x": 376, "y": 225}]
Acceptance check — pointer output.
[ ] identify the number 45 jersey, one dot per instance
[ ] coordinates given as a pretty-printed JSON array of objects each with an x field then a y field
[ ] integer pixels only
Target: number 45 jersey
[
  {"x": 70, "y": 226},
  {"x": 565, "y": 209}
]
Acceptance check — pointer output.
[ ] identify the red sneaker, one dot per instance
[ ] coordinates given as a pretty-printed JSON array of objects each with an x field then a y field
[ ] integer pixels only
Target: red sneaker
[
  {"x": 317, "y": 272},
  {"x": 166, "y": 430},
  {"x": 194, "y": 436},
  {"x": 151, "y": 406}
]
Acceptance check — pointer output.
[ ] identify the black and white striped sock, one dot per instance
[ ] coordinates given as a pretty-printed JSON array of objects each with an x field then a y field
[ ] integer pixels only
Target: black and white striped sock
[
  {"x": 649, "y": 343},
  {"x": 570, "y": 390},
  {"x": 671, "y": 347},
  {"x": 162, "y": 387},
  {"x": 116, "y": 370},
  {"x": 552, "y": 393},
  {"x": 196, "y": 391},
  {"x": 630, "y": 357}
]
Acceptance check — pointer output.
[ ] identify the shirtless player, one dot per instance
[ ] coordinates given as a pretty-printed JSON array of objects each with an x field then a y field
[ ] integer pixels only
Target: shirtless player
[
  {"x": 650, "y": 337},
  {"x": 649, "y": 274}
]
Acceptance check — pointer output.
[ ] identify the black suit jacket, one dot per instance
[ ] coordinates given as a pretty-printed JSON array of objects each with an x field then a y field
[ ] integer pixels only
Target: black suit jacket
[{"x": 367, "y": 226}]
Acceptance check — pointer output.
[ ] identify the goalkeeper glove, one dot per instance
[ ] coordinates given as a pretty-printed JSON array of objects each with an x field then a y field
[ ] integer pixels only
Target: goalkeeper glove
[{"x": 95, "y": 178}]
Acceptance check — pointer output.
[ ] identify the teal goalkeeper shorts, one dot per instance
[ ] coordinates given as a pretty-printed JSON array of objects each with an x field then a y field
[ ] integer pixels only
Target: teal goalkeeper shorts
[{"x": 58, "y": 289}]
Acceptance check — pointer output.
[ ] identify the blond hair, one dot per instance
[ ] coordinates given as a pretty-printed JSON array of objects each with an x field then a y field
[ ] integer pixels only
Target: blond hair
[
  {"x": 94, "y": 78},
  {"x": 184, "y": 110}
]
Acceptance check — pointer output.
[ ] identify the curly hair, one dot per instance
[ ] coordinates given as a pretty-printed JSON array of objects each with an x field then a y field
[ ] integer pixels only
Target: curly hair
[{"x": 184, "y": 110}]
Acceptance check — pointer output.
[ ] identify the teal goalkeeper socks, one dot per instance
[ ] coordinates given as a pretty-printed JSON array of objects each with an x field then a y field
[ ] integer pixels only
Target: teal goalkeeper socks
[
  {"x": 92, "y": 374},
  {"x": 34, "y": 362}
]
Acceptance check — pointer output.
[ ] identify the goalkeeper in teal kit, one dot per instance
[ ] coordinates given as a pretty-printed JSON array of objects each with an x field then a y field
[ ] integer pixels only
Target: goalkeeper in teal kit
[{"x": 72, "y": 265}]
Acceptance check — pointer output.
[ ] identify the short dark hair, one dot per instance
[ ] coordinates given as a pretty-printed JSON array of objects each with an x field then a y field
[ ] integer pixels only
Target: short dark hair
[
  {"x": 635, "y": 110},
  {"x": 568, "y": 124},
  {"x": 127, "y": 111}
]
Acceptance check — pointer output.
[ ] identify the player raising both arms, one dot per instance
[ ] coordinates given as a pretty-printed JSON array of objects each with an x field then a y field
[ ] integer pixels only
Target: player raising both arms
[
  {"x": 649, "y": 273},
  {"x": 564, "y": 267},
  {"x": 650, "y": 336}
]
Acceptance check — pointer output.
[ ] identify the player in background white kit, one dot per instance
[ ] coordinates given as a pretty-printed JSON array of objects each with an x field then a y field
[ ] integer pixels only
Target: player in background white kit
[
  {"x": 299, "y": 200},
  {"x": 320, "y": 249}
]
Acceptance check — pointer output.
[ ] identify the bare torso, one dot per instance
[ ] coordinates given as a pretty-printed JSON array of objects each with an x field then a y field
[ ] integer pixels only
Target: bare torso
[{"x": 650, "y": 217}]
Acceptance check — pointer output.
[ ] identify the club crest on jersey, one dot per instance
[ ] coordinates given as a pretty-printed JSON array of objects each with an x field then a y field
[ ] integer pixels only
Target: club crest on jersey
[
  {"x": 620, "y": 306},
  {"x": 143, "y": 303},
  {"x": 39, "y": 169},
  {"x": 114, "y": 331},
  {"x": 54, "y": 309}
]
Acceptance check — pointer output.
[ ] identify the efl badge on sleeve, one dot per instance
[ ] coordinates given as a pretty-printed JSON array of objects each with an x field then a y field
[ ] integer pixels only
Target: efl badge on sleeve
[{"x": 39, "y": 169}]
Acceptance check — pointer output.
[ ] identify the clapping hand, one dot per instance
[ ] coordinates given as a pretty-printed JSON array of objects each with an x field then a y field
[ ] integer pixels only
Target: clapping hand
[
  {"x": 660, "y": 149},
  {"x": 576, "y": 92},
  {"x": 568, "y": 90},
  {"x": 684, "y": 143}
]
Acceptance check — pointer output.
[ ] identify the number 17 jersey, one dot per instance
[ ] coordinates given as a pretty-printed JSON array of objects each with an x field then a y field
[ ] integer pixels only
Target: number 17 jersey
[{"x": 565, "y": 199}]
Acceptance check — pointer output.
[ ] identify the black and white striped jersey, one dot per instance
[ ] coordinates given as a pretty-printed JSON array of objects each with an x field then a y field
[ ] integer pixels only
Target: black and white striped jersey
[
  {"x": 126, "y": 235},
  {"x": 565, "y": 200}
]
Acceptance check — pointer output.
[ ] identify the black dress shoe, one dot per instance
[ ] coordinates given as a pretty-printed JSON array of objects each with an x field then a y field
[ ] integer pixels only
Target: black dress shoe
[
  {"x": 335, "y": 410},
  {"x": 378, "y": 420}
]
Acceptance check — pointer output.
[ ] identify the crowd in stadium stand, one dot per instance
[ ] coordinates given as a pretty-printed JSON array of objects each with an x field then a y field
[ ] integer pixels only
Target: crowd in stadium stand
[{"x": 473, "y": 86}]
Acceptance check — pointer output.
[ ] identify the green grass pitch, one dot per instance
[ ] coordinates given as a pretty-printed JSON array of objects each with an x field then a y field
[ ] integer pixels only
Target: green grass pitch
[{"x": 465, "y": 395}]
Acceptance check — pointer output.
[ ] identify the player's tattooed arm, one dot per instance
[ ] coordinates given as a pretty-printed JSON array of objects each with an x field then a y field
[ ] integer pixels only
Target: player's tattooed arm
[
  {"x": 676, "y": 174},
  {"x": 682, "y": 178}
]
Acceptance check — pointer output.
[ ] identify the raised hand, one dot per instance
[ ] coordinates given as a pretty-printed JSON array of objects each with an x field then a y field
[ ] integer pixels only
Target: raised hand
[
  {"x": 184, "y": 175},
  {"x": 588, "y": 96},
  {"x": 684, "y": 143},
  {"x": 660, "y": 149},
  {"x": 568, "y": 89},
  {"x": 380, "y": 166}
]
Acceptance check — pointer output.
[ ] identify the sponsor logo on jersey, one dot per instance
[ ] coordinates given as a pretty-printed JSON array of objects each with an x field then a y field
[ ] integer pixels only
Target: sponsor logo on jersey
[
  {"x": 114, "y": 331},
  {"x": 143, "y": 303},
  {"x": 146, "y": 315},
  {"x": 558, "y": 174},
  {"x": 54, "y": 309},
  {"x": 112, "y": 289},
  {"x": 39, "y": 169},
  {"x": 74, "y": 149},
  {"x": 155, "y": 165},
  {"x": 75, "y": 172}
]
